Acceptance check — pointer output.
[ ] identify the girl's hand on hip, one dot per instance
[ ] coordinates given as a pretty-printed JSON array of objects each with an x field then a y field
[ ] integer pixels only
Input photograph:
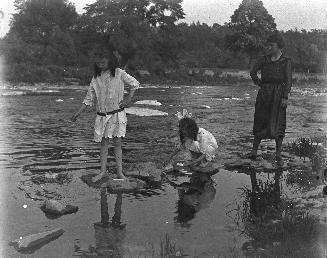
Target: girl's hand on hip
[
  {"x": 284, "y": 103},
  {"x": 126, "y": 102}
]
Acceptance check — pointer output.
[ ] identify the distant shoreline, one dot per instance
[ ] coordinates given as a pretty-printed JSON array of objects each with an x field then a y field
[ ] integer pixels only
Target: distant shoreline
[{"x": 190, "y": 76}]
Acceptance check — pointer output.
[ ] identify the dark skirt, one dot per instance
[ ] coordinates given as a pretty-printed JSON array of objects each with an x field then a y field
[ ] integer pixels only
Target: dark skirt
[{"x": 269, "y": 116}]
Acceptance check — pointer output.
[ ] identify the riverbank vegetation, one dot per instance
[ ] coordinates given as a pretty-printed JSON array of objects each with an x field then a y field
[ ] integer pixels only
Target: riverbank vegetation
[{"x": 49, "y": 41}]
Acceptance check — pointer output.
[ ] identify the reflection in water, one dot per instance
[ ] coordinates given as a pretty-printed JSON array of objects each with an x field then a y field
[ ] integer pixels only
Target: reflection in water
[
  {"x": 194, "y": 195},
  {"x": 109, "y": 236},
  {"x": 264, "y": 198}
]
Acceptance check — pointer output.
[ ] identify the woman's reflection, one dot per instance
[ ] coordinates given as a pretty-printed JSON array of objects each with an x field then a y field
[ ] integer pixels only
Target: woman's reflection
[{"x": 195, "y": 195}]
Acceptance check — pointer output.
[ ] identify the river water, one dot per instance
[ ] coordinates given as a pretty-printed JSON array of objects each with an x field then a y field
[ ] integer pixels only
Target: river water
[{"x": 38, "y": 138}]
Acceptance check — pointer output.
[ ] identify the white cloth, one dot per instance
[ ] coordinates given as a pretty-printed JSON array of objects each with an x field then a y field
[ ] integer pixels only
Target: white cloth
[
  {"x": 205, "y": 143},
  {"x": 106, "y": 92}
]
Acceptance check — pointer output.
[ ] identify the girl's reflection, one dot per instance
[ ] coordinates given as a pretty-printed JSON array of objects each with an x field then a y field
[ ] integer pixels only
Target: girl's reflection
[
  {"x": 195, "y": 195},
  {"x": 109, "y": 236}
]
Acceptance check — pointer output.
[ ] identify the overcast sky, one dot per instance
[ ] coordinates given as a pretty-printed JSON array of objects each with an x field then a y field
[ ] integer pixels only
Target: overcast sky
[{"x": 288, "y": 14}]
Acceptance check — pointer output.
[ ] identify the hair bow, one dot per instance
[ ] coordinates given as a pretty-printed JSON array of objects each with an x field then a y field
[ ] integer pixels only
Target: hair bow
[{"x": 184, "y": 114}]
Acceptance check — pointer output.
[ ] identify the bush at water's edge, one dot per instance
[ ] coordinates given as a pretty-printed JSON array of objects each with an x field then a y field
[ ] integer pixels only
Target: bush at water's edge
[{"x": 29, "y": 73}]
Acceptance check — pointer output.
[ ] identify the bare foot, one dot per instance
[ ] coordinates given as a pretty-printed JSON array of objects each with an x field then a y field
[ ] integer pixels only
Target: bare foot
[
  {"x": 99, "y": 177},
  {"x": 121, "y": 177}
]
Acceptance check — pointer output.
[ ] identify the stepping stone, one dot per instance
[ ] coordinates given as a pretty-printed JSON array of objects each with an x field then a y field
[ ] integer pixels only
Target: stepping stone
[
  {"x": 287, "y": 155},
  {"x": 87, "y": 179},
  {"x": 124, "y": 186},
  {"x": 36, "y": 240},
  {"x": 51, "y": 178},
  {"x": 146, "y": 171},
  {"x": 237, "y": 163},
  {"x": 53, "y": 207}
]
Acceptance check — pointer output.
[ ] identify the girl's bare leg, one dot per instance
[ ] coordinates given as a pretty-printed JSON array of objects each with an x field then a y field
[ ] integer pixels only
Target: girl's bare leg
[
  {"x": 119, "y": 157},
  {"x": 279, "y": 142},
  {"x": 103, "y": 159}
]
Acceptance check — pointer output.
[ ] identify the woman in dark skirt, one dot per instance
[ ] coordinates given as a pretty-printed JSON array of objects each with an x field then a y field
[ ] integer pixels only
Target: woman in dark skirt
[{"x": 275, "y": 85}]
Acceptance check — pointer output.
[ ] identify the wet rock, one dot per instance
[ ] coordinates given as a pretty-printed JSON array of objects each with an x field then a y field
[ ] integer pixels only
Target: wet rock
[
  {"x": 287, "y": 155},
  {"x": 266, "y": 165},
  {"x": 321, "y": 129},
  {"x": 59, "y": 178},
  {"x": 124, "y": 186},
  {"x": 297, "y": 162},
  {"x": 144, "y": 112},
  {"x": 237, "y": 163},
  {"x": 146, "y": 171},
  {"x": 53, "y": 207},
  {"x": 148, "y": 102},
  {"x": 35, "y": 240},
  {"x": 305, "y": 125}
]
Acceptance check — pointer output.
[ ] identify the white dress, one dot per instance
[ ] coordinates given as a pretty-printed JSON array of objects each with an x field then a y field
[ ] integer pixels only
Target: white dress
[
  {"x": 106, "y": 92},
  {"x": 205, "y": 144}
]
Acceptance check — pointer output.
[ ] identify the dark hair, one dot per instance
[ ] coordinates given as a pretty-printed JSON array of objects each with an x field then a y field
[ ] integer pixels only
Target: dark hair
[
  {"x": 104, "y": 52},
  {"x": 276, "y": 38},
  {"x": 188, "y": 128}
]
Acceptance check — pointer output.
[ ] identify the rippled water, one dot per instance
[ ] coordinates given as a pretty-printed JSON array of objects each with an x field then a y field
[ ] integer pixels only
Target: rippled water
[{"x": 37, "y": 138}]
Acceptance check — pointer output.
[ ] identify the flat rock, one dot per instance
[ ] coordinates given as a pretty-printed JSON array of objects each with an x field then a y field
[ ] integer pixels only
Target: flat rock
[
  {"x": 287, "y": 155},
  {"x": 51, "y": 178},
  {"x": 237, "y": 163},
  {"x": 146, "y": 171},
  {"x": 124, "y": 186},
  {"x": 53, "y": 207},
  {"x": 35, "y": 240}
]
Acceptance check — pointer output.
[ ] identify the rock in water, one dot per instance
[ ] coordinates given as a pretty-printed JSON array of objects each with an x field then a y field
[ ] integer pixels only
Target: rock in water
[
  {"x": 34, "y": 240},
  {"x": 237, "y": 163},
  {"x": 124, "y": 186},
  {"x": 53, "y": 207}
]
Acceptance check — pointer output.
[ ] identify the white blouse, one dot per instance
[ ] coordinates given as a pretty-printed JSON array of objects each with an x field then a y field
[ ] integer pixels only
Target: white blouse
[{"x": 205, "y": 143}]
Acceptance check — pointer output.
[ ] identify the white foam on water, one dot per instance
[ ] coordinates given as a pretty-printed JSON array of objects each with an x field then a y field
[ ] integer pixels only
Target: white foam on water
[
  {"x": 45, "y": 91},
  {"x": 200, "y": 93},
  {"x": 206, "y": 106},
  {"x": 59, "y": 100},
  {"x": 144, "y": 112},
  {"x": 148, "y": 102},
  {"x": 13, "y": 93},
  {"x": 236, "y": 98}
]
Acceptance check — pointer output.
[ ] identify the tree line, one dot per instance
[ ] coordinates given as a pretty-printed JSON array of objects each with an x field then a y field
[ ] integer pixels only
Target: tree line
[{"x": 48, "y": 39}]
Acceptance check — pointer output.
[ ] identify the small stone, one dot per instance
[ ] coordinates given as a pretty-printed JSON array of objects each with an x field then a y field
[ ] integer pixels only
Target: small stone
[
  {"x": 53, "y": 207},
  {"x": 238, "y": 163},
  {"x": 321, "y": 129},
  {"x": 30, "y": 241}
]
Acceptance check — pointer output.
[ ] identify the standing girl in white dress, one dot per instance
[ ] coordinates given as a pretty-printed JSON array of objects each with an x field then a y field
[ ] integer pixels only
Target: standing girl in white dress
[{"x": 106, "y": 91}]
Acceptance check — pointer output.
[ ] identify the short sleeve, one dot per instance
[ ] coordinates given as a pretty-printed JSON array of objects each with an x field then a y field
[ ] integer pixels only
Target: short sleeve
[
  {"x": 90, "y": 95},
  {"x": 207, "y": 144},
  {"x": 129, "y": 80}
]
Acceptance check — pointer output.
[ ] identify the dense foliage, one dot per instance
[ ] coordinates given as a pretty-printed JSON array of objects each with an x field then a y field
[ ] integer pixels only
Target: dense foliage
[{"x": 49, "y": 40}]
